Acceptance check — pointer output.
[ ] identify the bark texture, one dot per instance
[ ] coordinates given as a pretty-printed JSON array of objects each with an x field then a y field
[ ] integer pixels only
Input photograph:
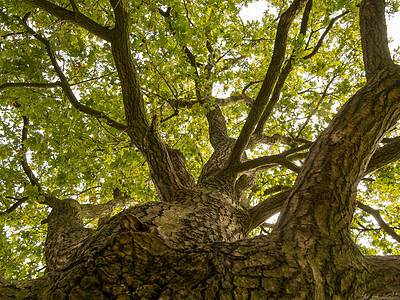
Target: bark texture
[{"x": 193, "y": 243}]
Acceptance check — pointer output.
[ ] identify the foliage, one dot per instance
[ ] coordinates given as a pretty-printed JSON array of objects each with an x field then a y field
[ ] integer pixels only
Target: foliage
[{"x": 79, "y": 156}]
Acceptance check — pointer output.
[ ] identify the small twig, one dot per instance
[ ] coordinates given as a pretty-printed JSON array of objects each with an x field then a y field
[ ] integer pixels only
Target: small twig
[
  {"x": 176, "y": 113},
  {"x": 187, "y": 14},
  {"x": 323, "y": 96},
  {"x": 92, "y": 79},
  {"x": 324, "y": 34},
  {"x": 250, "y": 84},
  {"x": 174, "y": 92},
  {"x": 84, "y": 191}
]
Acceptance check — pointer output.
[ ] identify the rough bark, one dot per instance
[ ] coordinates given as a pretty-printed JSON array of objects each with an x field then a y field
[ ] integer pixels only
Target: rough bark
[
  {"x": 123, "y": 262},
  {"x": 192, "y": 243}
]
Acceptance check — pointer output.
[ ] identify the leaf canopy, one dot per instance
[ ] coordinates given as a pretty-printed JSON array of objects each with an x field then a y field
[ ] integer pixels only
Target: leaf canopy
[{"x": 190, "y": 55}]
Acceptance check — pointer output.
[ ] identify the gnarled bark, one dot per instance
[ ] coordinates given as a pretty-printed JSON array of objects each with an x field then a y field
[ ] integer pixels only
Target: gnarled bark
[{"x": 192, "y": 243}]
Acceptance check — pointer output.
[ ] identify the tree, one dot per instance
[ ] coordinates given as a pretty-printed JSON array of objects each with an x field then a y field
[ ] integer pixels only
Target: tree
[{"x": 73, "y": 159}]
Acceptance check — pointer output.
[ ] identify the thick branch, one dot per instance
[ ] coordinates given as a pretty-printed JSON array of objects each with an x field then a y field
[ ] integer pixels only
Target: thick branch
[
  {"x": 93, "y": 211},
  {"x": 284, "y": 74},
  {"x": 360, "y": 125},
  {"x": 166, "y": 167},
  {"x": 264, "y": 210},
  {"x": 245, "y": 182},
  {"x": 289, "y": 66},
  {"x": 269, "y": 81},
  {"x": 131, "y": 91},
  {"x": 275, "y": 96},
  {"x": 374, "y": 40},
  {"x": 217, "y": 127},
  {"x": 74, "y": 17},
  {"x": 384, "y": 155},
  {"x": 383, "y": 276}
]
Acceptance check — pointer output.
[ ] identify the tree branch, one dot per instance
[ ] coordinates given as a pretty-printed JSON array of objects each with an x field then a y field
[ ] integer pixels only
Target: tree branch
[
  {"x": 273, "y": 71},
  {"x": 284, "y": 74},
  {"x": 74, "y": 17},
  {"x": 39, "y": 85},
  {"x": 74, "y": 5},
  {"x": 264, "y": 210},
  {"x": 242, "y": 184},
  {"x": 217, "y": 127},
  {"x": 234, "y": 99},
  {"x": 324, "y": 34},
  {"x": 230, "y": 62},
  {"x": 374, "y": 40},
  {"x": 94, "y": 211},
  {"x": 383, "y": 276},
  {"x": 167, "y": 167},
  {"x": 65, "y": 85},
  {"x": 323, "y": 96},
  {"x": 259, "y": 162},
  {"x": 251, "y": 83},
  {"x": 131, "y": 92},
  {"x": 176, "y": 103},
  {"x": 190, "y": 56},
  {"x": 48, "y": 199},
  {"x": 289, "y": 66},
  {"x": 14, "y": 206},
  {"x": 275, "y": 139},
  {"x": 174, "y": 93},
  {"x": 24, "y": 162},
  {"x": 269, "y": 191},
  {"x": 384, "y": 155},
  {"x": 377, "y": 216}
]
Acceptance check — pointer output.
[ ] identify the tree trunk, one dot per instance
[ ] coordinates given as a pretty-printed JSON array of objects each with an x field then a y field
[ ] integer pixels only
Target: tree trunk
[
  {"x": 192, "y": 243},
  {"x": 163, "y": 251}
]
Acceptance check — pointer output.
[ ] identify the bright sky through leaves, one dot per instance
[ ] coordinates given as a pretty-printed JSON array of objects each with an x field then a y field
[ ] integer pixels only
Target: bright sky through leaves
[{"x": 256, "y": 10}]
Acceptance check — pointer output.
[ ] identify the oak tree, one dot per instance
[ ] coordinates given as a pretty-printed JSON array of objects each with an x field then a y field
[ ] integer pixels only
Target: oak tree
[{"x": 145, "y": 145}]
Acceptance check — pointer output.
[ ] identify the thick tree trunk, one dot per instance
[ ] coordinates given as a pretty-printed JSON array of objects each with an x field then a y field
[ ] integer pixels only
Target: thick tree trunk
[
  {"x": 172, "y": 252},
  {"x": 140, "y": 265},
  {"x": 191, "y": 244}
]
